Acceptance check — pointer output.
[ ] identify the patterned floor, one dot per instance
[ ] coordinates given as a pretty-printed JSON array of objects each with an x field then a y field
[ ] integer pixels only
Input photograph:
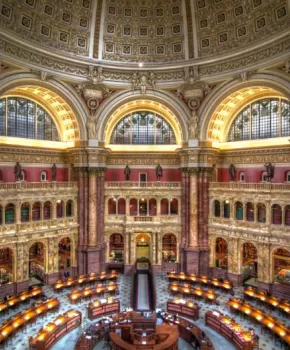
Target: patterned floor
[{"x": 20, "y": 340}]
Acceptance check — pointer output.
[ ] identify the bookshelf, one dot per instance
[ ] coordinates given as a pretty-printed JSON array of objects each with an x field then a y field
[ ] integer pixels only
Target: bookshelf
[
  {"x": 169, "y": 246},
  {"x": 116, "y": 247}
]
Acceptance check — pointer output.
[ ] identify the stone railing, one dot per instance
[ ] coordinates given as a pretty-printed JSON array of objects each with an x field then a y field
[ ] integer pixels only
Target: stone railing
[
  {"x": 147, "y": 184},
  {"x": 131, "y": 219},
  {"x": 250, "y": 187},
  {"x": 24, "y": 185}
]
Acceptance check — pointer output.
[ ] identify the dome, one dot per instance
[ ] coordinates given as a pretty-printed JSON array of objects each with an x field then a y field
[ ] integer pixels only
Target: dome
[{"x": 157, "y": 33}]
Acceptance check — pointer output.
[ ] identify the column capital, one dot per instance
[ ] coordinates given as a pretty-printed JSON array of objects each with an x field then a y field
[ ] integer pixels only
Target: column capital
[
  {"x": 189, "y": 170},
  {"x": 96, "y": 170}
]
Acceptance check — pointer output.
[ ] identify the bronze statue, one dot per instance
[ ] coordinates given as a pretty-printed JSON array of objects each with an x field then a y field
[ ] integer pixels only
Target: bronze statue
[
  {"x": 159, "y": 172},
  {"x": 232, "y": 172},
  {"x": 270, "y": 169},
  {"x": 127, "y": 172},
  {"x": 17, "y": 171},
  {"x": 54, "y": 172}
]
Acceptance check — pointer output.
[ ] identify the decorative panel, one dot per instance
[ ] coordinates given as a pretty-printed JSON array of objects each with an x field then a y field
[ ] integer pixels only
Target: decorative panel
[{"x": 143, "y": 30}]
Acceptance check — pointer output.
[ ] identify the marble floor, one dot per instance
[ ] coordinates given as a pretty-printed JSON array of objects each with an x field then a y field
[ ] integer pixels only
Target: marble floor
[{"x": 20, "y": 340}]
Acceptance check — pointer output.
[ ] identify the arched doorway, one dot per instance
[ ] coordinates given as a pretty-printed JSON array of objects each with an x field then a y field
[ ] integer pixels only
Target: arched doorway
[
  {"x": 116, "y": 252},
  {"x": 64, "y": 253},
  {"x": 249, "y": 262},
  {"x": 36, "y": 263},
  {"x": 221, "y": 253},
  {"x": 6, "y": 265},
  {"x": 143, "y": 245},
  {"x": 281, "y": 265},
  {"x": 169, "y": 247}
]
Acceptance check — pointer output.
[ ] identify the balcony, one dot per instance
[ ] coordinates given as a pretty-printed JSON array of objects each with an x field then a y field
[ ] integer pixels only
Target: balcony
[
  {"x": 138, "y": 185},
  {"x": 261, "y": 187},
  {"x": 123, "y": 219},
  {"x": 36, "y": 186}
]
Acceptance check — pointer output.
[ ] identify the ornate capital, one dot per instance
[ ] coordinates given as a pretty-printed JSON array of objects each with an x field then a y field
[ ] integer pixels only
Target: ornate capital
[{"x": 98, "y": 171}]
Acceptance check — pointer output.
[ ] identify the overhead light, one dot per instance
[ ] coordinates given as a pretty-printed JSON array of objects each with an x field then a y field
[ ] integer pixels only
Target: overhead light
[{"x": 140, "y": 64}]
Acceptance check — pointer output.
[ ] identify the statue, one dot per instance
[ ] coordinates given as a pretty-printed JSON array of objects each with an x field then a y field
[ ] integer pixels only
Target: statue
[
  {"x": 54, "y": 172},
  {"x": 92, "y": 127},
  {"x": 17, "y": 171},
  {"x": 193, "y": 126},
  {"x": 143, "y": 84},
  {"x": 232, "y": 172},
  {"x": 159, "y": 172},
  {"x": 135, "y": 80},
  {"x": 270, "y": 171},
  {"x": 127, "y": 172},
  {"x": 152, "y": 79}
]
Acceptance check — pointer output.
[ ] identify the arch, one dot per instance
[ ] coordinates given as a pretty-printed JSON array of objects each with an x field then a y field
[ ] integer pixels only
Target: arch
[
  {"x": 249, "y": 260},
  {"x": 221, "y": 253},
  {"x": 173, "y": 206},
  {"x": 43, "y": 176},
  {"x": 242, "y": 176},
  {"x": 152, "y": 207},
  {"x": 112, "y": 206},
  {"x": 121, "y": 206},
  {"x": 287, "y": 176},
  {"x": 116, "y": 247},
  {"x": 25, "y": 212},
  {"x": 216, "y": 208},
  {"x": 166, "y": 103},
  {"x": 276, "y": 212},
  {"x": 143, "y": 245},
  {"x": 7, "y": 265},
  {"x": 47, "y": 210},
  {"x": 69, "y": 208},
  {"x": 227, "y": 209},
  {"x": 58, "y": 98},
  {"x": 217, "y": 112},
  {"x": 65, "y": 253},
  {"x": 164, "y": 206},
  {"x": 1, "y": 214},
  {"x": 133, "y": 205},
  {"x": 281, "y": 265},
  {"x": 239, "y": 209},
  {"x": 59, "y": 209},
  {"x": 287, "y": 215},
  {"x": 261, "y": 212},
  {"x": 143, "y": 207},
  {"x": 10, "y": 213},
  {"x": 250, "y": 211},
  {"x": 169, "y": 247},
  {"x": 37, "y": 260},
  {"x": 36, "y": 210}
]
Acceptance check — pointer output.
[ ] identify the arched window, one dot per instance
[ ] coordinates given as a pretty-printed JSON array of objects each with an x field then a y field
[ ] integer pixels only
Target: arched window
[
  {"x": 47, "y": 211},
  {"x": 217, "y": 208},
  {"x": 288, "y": 176},
  {"x": 64, "y": 253},
  {"x": 1, "y": 211},
  {"x": 227, "y": 209},
  {"x": 36, "y": 211},
  {"x": 25, "y": 209},
  {"x": 133, "y": 207},
  {"x": 43, "y": 176},
  {"x": 239, "y": 211},
  {"x": 164, "y": 206},
  {"x": 112, "y": 206},
  {"x": 9, "y": 213},
  {"x": 152, "y": 207},
  {"x": 250, "y": 211},
  {"x": 287, "y": 215},
  {"x": 262, "y": 119},
  {"x": 24, "y": 118},
  {"x": 6, "y": 265},
  {"x": 276, "y": 214},
  {"x": 173, "y": 206},
  {"x": 69, "y": 208},
  {"x": 281, "y": 265},
  {"x": 59, "y": 209},
  {"x": 121, "y": 206},
  {"x": 143, "y": 127},
  {"x": 261, "y": 213},
  {"x": 143, "y": 207},
  {"x": 242, "y": 176},
  {"x": 169, "y": 246},
  {"x": 116, "y": 249}
]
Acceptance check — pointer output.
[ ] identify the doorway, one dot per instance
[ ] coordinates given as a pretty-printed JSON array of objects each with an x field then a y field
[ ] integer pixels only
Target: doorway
[
  {"x": 142, "y": 179},
  {"x": 143, "y": 245}
]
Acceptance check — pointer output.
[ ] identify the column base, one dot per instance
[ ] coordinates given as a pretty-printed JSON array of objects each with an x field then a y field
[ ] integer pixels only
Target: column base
[
  {"x": 156, "y": 269},
  {"x": 204, "y": 262},
  {"x": 235, "y": 278},
  {"x": 191, "y": 260},
  {"x": 13, "y": 288},
  {"x": 216, "y": 272},
  {"x": 129, "y": 270},
  {"x": 282, "y": 291},
  {"x": 51, "y": 278},
  {"x": 95, "y": 260},
  {"x": 82, "y": 260}
]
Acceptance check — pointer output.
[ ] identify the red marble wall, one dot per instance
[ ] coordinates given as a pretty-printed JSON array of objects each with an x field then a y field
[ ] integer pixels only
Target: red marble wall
[
  {"x": 173, "y": 175},
  {"x": 32, "y": 174},
  {"x": 253, "y": 175}
]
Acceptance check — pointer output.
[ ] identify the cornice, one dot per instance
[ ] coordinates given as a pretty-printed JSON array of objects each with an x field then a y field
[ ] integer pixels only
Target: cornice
[{"x": 263, "y": 55}]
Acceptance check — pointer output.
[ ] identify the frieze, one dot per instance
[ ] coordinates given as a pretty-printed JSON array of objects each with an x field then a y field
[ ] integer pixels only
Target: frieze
[{"x": 143, "y": 160}]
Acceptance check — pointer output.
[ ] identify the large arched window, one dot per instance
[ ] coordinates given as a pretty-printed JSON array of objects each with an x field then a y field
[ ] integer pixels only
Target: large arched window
[
  {"x": 262, "y": 119},
  {"x": 141, "y": 128},
  {"x": 20, "y": 117}
]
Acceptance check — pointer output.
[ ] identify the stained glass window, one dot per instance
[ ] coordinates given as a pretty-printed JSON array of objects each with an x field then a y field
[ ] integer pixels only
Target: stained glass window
[
  {"x": 143, "y": 128},
  {"x": 20, "y": 117},
  {"x": 262, "y": 119}
]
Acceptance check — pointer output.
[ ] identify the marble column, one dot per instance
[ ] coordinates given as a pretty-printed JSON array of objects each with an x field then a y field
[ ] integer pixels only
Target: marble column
[
  {"x": 93, "y": 238},
  {"x": 193, "y": 205}
]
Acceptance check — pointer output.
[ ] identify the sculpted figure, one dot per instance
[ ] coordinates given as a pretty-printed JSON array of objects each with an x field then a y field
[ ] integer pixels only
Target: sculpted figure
[
  {"x": 17, "y": 171},
  {"x": 127, "y": 172},
  {"x": 54, "y": 172},
  {"x": 159, "y": 172},
  {"x": 92, "y": 127},
  {"x": 232, "y": 172},
  {"x": 193, "y": 126},
  {"x": 135, "y": 80},
  {"x": 270, "y": 169},
  {"x": 143, "y": 84}
]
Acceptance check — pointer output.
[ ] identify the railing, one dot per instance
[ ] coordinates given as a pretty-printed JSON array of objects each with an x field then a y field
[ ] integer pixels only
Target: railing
[
  {"x": 22, "y": 185},
  {"x": 150, "y": 184},
  {"x": 249, "y": 186},
  {"x": 131, "y": 219},
  {"x": 143, "y": 218}
]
